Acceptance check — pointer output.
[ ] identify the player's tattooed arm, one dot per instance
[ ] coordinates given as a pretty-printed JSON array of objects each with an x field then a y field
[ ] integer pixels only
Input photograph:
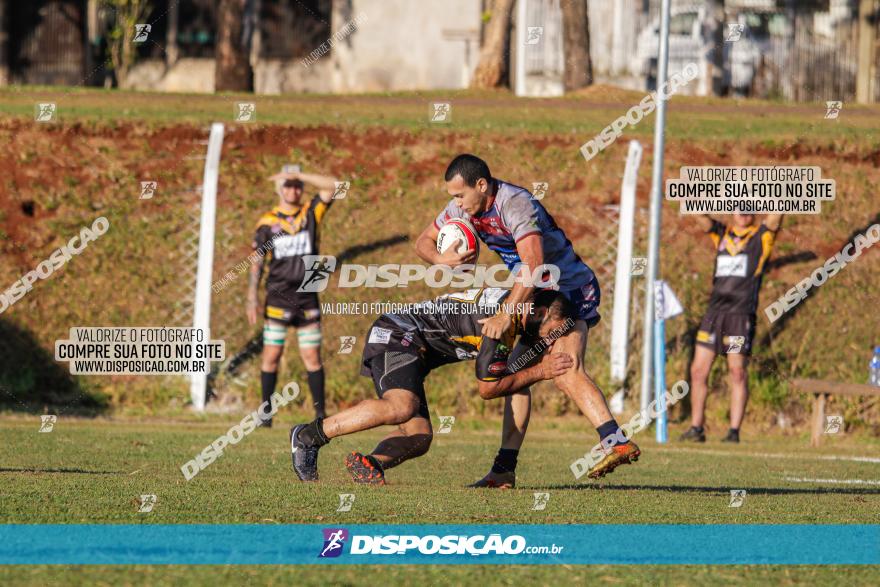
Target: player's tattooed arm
[
  {"x": 497, "y": 377},
  {"x": 551, "y": 366},
  {"x": 255, "y": 273}
]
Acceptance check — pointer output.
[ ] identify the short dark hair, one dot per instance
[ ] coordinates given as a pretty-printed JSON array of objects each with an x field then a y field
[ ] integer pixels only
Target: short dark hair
[
  {"x": 548, "y": 304},
  {"x": 470, "y": 167},
  {"x": 558, "y": 306}
]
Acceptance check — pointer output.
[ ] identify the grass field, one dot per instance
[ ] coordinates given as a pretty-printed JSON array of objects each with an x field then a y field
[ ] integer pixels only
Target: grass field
[{"x": 92, "y": 471}]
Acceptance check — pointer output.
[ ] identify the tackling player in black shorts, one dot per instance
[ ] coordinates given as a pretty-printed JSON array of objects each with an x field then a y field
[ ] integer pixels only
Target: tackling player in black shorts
[
  {"x": 728, "y": 328},
  {"x": 285, "y": 234},
  {"x": 403, "y": 348}
]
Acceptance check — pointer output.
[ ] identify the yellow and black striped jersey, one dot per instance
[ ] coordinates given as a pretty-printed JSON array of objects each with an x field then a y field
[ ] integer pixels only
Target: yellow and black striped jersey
[
  {"x": 286, "y": 237},
  {"x": 740, "y": 258}
]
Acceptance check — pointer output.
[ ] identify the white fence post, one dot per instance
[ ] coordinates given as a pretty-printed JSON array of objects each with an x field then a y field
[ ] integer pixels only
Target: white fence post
[
  {"x": 202, "y": 312},
  {"x": 623, "y": 275}
]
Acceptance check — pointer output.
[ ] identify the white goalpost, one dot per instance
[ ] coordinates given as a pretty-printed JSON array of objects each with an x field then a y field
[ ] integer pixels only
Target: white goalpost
[
  {"x": 202, "y": 310},
  {"x": 623, "y": 274}
]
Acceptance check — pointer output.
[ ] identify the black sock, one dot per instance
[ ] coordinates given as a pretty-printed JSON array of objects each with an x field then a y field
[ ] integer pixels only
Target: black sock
[
  {"x": 505, "y": 460},
  {"x": 267, "y": 382},
  {"x": 316, "y": 386},
  {"x": 313, "y": 434},
  {"x": 610, "y": 428},
  {"x": 698, "y": 428}
]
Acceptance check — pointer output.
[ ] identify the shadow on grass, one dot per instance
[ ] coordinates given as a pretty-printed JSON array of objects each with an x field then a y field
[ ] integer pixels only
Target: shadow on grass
[
  {"x": 82, "y": 471},
  {"x": 32, "y": 381},
  {"x": 723, "y": 490},
  {"x": 779, "y": 325},
  {"x": 780, "y": 262}
]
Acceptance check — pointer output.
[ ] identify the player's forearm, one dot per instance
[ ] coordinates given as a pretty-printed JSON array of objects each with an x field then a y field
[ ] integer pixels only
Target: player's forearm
[
  {"x": 254, "y": 276},
  {"x": 322, "y": 182},
  {"x": 511, "y": 384},
  {"x": 426, "y": 249},
  {"x": 531, "y": 251},
  {"x": 518, "y": 294}
]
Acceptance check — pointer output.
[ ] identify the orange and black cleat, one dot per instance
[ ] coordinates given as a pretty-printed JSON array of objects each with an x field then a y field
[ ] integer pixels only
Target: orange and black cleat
[
  {"x": 365, "y": 469},
  {"x": 622, "y": 454},
  {"x": 506, "y": 480}
]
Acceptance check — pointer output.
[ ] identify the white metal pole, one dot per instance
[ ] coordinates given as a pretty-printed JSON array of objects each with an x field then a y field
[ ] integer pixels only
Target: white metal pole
[
  {"x": 520, "y": 51},
  {"x": 623, "y": 275},
  {"x": 202, "y": 314},
  {"x": 656, "y": 201},
  {"x": 618, "y": 52}
]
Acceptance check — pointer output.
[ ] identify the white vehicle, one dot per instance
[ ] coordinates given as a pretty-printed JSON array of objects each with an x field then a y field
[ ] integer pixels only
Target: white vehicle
[
  {"x": 690, "y": 41},
  {"x": 686, "y": 43}
]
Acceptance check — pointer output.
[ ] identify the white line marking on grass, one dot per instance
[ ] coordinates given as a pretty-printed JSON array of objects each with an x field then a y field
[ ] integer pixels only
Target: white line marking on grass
[
  {"x": 773, "y": 456},
  {"x": 841, "y": 481}
]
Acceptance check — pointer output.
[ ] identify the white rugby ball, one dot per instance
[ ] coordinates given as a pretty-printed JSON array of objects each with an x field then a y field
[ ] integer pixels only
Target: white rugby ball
[{"x": 461, "y": 230}]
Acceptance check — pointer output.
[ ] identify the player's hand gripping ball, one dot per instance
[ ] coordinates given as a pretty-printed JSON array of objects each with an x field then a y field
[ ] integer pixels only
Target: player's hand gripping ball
[{"x": 458, "y": 229}]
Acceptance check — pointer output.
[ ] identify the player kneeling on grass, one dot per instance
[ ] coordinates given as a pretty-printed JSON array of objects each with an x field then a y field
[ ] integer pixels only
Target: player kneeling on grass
[{"x": 403, "y": 348}]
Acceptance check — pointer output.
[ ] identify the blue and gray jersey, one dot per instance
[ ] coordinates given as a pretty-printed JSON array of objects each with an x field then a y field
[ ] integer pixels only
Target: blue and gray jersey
[{"x": 514, "y": 214}]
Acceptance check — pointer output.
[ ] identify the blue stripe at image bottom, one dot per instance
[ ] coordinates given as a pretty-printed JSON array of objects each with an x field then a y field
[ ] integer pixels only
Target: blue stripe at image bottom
[{"x": 614, "y": 544}]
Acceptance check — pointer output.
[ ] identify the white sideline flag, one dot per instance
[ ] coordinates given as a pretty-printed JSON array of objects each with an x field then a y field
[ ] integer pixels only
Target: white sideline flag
[{"x": 667, "y": 304}]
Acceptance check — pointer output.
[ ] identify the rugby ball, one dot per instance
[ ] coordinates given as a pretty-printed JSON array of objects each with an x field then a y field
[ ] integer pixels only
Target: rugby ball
[{"x": 458, "y": 229}]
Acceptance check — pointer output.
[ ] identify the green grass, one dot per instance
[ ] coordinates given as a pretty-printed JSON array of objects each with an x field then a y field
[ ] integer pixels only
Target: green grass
[
  {"x": 92, "y": 471},
  {"x": 472, "y": 111}
]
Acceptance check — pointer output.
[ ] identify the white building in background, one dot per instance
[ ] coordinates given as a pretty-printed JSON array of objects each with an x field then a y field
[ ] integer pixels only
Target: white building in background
[
  {"x": 793, "y": 49},
  {"x": 537, "y": 56},
  {"x": 398, "y": 45}
]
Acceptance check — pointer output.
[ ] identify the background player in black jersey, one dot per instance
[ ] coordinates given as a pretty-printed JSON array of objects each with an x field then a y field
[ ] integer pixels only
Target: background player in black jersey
[
  {"x": 403, "y": 348},
  {"x": 286, "y": 233},
  {"x": 741, "y": 252}
]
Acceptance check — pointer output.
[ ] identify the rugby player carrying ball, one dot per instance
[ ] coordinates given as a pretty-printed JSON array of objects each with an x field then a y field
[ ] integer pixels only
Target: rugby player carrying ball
[{"x": 516, "y": 226}]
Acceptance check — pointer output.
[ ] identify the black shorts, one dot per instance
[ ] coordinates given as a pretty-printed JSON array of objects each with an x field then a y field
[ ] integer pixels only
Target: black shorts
[
  {"x": 727, "y": 333},
  {"x": 396, "y": 370},
  {"x": 292, "y": 308}
]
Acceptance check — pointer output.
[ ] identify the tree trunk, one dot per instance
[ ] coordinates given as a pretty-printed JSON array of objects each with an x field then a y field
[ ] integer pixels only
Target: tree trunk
[
  {"x": 576, "y": 44},
  {"x": 715, "y": 28},
  {"x": 121, "y": 39},
  {"x": 493, "y": 69},
  {"x": 233, "y": 72}
]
